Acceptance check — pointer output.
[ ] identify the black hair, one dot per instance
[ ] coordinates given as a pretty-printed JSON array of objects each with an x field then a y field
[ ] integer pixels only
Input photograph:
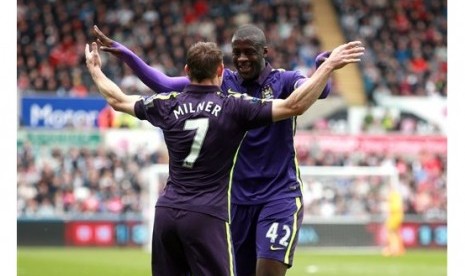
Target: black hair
[{"x": 252, "y": 33}]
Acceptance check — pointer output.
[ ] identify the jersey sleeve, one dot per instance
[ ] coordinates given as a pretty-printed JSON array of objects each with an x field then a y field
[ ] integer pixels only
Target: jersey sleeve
[
  {"x": 292, "y": 80},
  {"x": 251, "y": 112},
  {"x": 140, "y": 108},
  {"x": 318, "y": 61},
  {"x": 153, "y": 78},
  {"x": 152, "y": 108}
]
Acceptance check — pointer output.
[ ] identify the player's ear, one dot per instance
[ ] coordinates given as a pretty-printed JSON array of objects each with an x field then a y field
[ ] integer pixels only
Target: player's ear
[
  {"x": 220, "y": 70},
  {"x": 187, "y": 71},
  {"x": 265, "y": 51}
]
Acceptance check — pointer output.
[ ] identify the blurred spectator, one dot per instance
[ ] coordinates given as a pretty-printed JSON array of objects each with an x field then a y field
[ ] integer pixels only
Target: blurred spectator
[
  {"x": 78, "y": 180},
  {"x": 106, "y": 118},
  {"x": 406, "y": 55},
  {"x": 422, "y": 185},
  {"x": 84, "y": 181},
  {"x": 407, "y": 42},
  {"x": 52, "y": 34}
]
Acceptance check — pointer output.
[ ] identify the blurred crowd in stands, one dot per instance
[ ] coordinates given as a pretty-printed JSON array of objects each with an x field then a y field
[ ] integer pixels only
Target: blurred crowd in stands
[
  {"x": 73, "y": 181},
  {"x": 76, "y": 181},
  {"x": 52, "y": 36},
  {"x": 406, "y": 40},
  {"x": 406, "y": 55},
  {"x": 422, "y": 183},
  {"x": 406, "y": 44},
  {"x": 377, "y": 120}
]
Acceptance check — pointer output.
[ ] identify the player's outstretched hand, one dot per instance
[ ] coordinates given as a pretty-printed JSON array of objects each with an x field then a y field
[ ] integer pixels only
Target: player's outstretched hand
[
  {"x": 106, "y": 44},
  {"x": 347, "y": 53},
  {"x": 93, "y": 60}
]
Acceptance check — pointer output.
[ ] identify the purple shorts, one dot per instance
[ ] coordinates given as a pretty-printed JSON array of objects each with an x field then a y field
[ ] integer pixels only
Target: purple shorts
[
  {"x": 266, "y": 231},
  {"x": 190, "y": 243}
]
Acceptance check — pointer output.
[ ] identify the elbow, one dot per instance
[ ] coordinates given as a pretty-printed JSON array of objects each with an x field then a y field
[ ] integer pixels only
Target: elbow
[
  {"x": 298, "y": 110},
  {"x": 115, "y": 104}
]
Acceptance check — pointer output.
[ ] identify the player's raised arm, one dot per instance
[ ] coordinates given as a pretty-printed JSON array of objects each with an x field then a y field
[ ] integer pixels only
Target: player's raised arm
[
  {"x": 307, "y": 93},
  {"x": 152, "y": 77},
  {"x": 109, "y": 90},
  {"x": 320, "y": 58}
]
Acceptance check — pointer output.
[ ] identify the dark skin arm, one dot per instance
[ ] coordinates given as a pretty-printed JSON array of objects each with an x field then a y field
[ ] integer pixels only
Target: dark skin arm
[
  {"x": 150, "y": 76},
  {"x": 106, "y": 44}
]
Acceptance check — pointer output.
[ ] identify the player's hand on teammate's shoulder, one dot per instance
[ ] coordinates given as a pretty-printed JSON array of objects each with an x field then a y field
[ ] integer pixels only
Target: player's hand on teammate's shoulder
[
  {"x": 106, "y": 44},
  {"x": 347, "y": 53}
]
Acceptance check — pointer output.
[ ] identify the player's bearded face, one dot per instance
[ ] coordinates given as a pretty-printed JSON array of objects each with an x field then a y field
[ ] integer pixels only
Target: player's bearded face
[{"x": 248, "y": 58}]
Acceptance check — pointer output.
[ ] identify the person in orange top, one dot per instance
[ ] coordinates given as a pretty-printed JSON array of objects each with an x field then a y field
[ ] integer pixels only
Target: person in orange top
[
  {"x": 106, "y": 117},
  {"x": 395, "y": 216}
]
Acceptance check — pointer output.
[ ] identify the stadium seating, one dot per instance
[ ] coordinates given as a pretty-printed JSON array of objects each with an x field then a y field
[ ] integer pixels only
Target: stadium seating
[
  {"x": 406, "y": 45},
  {"x": 52, "y": 35},
  {"x": 406, "y": 56}
]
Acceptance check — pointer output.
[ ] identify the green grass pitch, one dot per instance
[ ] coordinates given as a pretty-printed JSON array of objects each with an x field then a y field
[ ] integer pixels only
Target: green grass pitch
[{"x": 134, "y": 262}]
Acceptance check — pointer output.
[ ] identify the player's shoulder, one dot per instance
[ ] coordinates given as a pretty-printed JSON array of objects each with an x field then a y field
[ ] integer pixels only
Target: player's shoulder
[
  {"x": 164, "y": 96},
  {"x": 228, "y": 73},
  {"x": 279, "y": 70},
  {"x": 284, "y": 72},
  {"x": 242, "y": 97},
  {"x": 287, "y": 78},
  {"x": 230, "y": 92}
]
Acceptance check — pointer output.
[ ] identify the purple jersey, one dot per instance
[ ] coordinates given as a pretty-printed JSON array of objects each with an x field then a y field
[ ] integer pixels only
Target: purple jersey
[
  {"x": 203, "y": 129},
  {"x": 266, "y": 166}
]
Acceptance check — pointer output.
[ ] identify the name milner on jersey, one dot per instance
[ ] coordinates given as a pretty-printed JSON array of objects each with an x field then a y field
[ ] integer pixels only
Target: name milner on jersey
[{"x": 188, "y": 108}]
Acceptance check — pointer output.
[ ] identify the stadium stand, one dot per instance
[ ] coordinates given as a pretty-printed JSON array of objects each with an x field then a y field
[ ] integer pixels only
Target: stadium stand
[
  {"x": 406, "y": 55},
  {"x": 51, "y": 37},
  {"x": 331, "y": 35},
  {"x": 100, "y": 181},
  {"x": 406, "y": 42}
]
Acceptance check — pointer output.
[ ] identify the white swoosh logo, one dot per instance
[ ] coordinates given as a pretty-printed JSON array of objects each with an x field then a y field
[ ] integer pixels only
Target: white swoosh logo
[
  {"x": 272, "y": 247},
  {"x": 230, "y": 91}
]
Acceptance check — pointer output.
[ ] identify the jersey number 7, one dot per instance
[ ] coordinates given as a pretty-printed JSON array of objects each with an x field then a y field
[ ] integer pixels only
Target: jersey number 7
[{"x": 201, "y": 127}]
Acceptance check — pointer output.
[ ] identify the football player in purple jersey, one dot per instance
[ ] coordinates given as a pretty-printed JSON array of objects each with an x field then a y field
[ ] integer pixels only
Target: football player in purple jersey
[{"x": 266, "y": 195}]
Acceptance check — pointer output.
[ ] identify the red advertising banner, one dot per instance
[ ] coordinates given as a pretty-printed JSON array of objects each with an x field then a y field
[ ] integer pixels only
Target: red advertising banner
[
  {"x": 106, "y": 233},
  {"x": 415, "y": 234},
  {"x": 410, "y": 144},
  {"x": 90, "y": 234}
]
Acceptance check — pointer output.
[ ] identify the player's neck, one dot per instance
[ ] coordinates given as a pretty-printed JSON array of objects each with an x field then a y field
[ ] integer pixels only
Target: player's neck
[{"x": 215, "y": 81}]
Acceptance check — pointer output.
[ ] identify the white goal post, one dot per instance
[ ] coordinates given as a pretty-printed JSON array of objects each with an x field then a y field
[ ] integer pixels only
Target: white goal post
[{"x": 322, "y": 174}]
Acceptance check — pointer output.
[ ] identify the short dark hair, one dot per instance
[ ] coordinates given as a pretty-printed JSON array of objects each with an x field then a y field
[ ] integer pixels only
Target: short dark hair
[
  {"x": 251, "y": 32},
  {"x": 203, "y": 59}
]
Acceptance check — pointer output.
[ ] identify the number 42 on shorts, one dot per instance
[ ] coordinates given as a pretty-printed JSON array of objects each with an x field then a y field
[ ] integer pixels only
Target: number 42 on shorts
[{"x": 272, "y": 234}]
